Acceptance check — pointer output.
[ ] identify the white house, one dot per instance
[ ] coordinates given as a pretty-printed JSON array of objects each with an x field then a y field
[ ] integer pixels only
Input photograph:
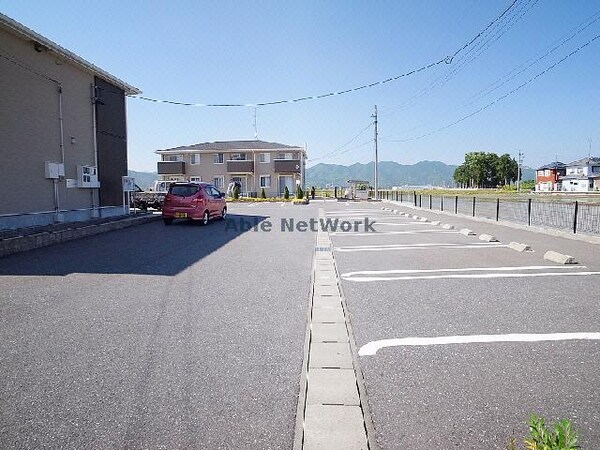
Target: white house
[{"x": 582, "y": 175}]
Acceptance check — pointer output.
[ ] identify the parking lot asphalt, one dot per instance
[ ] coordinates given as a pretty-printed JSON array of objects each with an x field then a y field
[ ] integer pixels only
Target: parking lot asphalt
[
  {"x": 412, "y": 279},
  {"x": 157, "y": 337},
  {"x": 193, "y": 337}
]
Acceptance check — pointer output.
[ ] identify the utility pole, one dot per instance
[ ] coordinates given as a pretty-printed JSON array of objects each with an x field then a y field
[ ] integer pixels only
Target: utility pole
[
  {"x": 255, "y": 127},
  {"x": 376, "y": 158},
  {"x": 520, "y": 163}
]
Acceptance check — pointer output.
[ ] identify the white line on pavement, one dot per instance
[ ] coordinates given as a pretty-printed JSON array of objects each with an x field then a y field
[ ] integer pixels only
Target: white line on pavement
[
  {"x": 378, "y": 248},
  {"x": 387, "y": 233},
  {"x": 460, "y": 269},
  {"x": 403, "y": 224},
  {"x": 372, "y": 347},
  {"x": 471, "y": 276}
]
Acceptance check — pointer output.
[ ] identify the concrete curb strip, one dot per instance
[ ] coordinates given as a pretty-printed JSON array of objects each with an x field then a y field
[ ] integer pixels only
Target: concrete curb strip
[
  {"x": 559, "y": 258},
  {"x": 332, "y": 413},
  {"x": 447, "y": 226},
  {"x": 487, "y": 238},
  {"x": 18, "y": 244},
  {"x": 435, "y": 222}
]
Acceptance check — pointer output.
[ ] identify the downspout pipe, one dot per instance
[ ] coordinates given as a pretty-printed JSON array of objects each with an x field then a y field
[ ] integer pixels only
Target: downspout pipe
[
  {"x": 94, "y": 191},
  {"x": 57, "y": 217}
]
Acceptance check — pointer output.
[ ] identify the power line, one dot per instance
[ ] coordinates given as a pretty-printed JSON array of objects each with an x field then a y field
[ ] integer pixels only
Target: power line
[
  {"x": 500, "y": 29},
  {"x": 511, "y": 75},
  {"x": 446, "y": 60},
  {"x": 337, "y": 149},
  {"x": 483, "y": 108}
]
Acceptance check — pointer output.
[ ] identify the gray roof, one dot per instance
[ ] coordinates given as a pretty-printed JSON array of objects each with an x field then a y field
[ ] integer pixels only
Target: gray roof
[
  {"x": 232, "y": 145},
  {"x": 553, "y": 165},
  {"x": 585, "y": 161},
  {"x": 21, "y": 30}
]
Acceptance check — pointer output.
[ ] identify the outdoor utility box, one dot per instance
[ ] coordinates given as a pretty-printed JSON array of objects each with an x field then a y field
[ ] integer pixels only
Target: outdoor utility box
[{"x": 54, "y": 170}]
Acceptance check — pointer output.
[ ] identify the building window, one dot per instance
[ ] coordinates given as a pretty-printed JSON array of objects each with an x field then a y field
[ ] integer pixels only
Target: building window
[
  {"x": 218, "y": 158},
  {"x": 238, "y": 157},
  {"x": 264, "y": 157},
  {"x": 195, "y": 179},
  {"x": 219, "y": 180},
  {"x": 173, "y": 158},
  {"x": 195, "y": 158},
  {"x": 540, "y": 173},
  {"x": 265, "y": 181},
  {"x": 285, "y": 156},
  {"x": 547, "y": 173}
]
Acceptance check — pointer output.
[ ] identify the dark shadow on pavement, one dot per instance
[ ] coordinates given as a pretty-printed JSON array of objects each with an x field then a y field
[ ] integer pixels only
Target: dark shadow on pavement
[{"x": 149, "y": 249}]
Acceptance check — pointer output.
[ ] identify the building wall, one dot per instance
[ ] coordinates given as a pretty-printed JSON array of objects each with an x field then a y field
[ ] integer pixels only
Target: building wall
[
  {"x": 111, "y": 135},
  {"x": 30, "y": 128},
  {"x": 208, "y": 170},
  {"x": 30, "y": 134}
]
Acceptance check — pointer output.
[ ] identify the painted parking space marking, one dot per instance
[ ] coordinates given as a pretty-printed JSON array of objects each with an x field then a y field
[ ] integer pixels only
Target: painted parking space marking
[
  {"x": 431, "y": 246},
  {"x": 466, "y": 273},
  {"x": 372, "y": 347},
  {"x": 402, "y": 224},
  {"x": 389, "y": 233}
]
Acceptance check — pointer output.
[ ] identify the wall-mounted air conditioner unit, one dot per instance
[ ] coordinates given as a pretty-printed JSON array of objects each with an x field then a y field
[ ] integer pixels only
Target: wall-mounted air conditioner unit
[{"x": 87, "y": 177}]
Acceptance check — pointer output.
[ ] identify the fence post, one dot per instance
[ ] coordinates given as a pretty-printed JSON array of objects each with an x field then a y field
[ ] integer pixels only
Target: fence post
[
  {"x": 497, "y": 209},
  {"x": 401, "y": 196},
  {"x": 529, "y": 212},
  {"x": 474, "y": 206},
  {"x": 415, "y": 197},
  {"x": 430, "y": 199},
  {"x": 335, "y": 191},
  {"x": 575, "y": 216},
  {"x": 456, "y": 205},
  {"x": 442, "y": 203}
]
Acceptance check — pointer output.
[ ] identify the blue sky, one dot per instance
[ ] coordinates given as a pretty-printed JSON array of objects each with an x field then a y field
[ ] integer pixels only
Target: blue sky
[{"x": 256, "y": 51}]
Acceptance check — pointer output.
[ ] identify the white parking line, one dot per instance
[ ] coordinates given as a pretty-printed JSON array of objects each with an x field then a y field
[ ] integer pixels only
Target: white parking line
[
  {"x": 463, "y": 273},
  {"x": 388, "y": 233},
  {"x": 379, "y": 248},
  {"x": 372, "y": 347},
  {"x": 401, "y": 224}
]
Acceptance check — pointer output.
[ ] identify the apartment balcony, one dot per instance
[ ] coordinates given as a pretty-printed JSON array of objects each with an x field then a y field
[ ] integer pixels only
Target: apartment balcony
[
  {"x": 240, "y": 166},
  {"x": 170, "y": 167},
  {"x": 287, "y": 165}
]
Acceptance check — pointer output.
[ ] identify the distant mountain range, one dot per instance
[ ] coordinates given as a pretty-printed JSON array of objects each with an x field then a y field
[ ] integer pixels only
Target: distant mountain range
[
  {"x": 423, "y": 173},
  {"x": 144, "y": 180}
]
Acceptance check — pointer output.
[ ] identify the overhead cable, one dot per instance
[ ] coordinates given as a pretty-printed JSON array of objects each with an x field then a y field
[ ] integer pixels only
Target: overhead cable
[
  {"x": 447, "y": 60},
  {"x": 483, "y": 108}
]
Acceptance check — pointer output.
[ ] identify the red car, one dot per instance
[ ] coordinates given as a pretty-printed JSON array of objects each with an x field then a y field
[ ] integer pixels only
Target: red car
[{"x": 193, "y": 201}]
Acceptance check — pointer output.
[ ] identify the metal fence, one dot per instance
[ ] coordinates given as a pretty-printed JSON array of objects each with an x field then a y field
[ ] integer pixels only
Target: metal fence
[{"x": 576, "y": 216}]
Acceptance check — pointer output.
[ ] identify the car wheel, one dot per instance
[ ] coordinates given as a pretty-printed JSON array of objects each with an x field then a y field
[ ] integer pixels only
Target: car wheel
[
  {"x": 224, "y": 213},
  {"x": 168, "y": 221},
  {"x": 205, "y": 218}
]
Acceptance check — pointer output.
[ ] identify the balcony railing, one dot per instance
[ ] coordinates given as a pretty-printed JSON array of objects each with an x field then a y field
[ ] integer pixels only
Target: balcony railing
[
  {"x": 170, "y": 167},
  {"x": 240, "y": 166},
  {"x": 287, "y": 165}
]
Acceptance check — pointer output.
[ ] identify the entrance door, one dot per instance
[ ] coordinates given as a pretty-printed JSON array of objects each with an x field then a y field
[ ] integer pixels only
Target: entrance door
[
  {"x": 243, "y": 185},
  {"x": 286, "y": 181}
]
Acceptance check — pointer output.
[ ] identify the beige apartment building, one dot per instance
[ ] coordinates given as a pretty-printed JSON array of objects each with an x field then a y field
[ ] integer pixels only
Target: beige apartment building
[
  {"x": 255, "y": 164},
  {"x": 63, "y": 138}
]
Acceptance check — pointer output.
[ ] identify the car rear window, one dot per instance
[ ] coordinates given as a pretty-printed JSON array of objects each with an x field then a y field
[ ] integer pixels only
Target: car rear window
[{"x": 184, "y": 190}]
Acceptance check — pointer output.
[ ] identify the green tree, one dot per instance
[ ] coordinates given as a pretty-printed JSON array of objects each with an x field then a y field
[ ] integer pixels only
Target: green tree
[
  {"x": 299, "y": 193},
  {"x": 461, "y": 176},
  {"x": 236, "y": 192},
  {"x": 262, "y": 193},
  {"x": 507, "y": 169},
  {"x": 286, "y": 193}
]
